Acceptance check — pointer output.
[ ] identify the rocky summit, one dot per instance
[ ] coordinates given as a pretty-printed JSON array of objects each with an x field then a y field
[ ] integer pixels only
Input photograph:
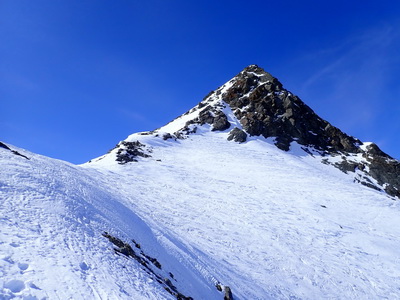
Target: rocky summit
[
  {"x": 265, "y": 108},
  {"x": 254, "y": 103}
]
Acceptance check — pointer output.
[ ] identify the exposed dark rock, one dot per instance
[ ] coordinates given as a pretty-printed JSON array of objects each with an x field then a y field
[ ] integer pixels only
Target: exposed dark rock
[
  {"x": 209, "y": 115},
  {"x": 376, "y": 165},
  {"x": 228, "y": 293},
  {"x": 283, "y": 143},
  {"x": 385, "y": 170},
  {"x": 127, "y": 250},
  {"x": 265, "y": 108},
  {"x": 182, "y": 134},
  {"x": 169, "y": 283},
  {"x": 392, "y": 191},
  {"x": 153, "y": 260},
  {"x": 347, "y": 166},
  {"x": 179, "y": 296},
  {"x": 167, "y": 136},
  {"x": 2, "y": 145},
  {"x": 325, "y": 161},
  {"x": 128, "y": 151},
  {"x": 367, "y": 182},
  {"x": 237, "y": 135},
  {"x": 205, "y": 98},
  {"x": 220, "y": 122},
  {"x": 116, "y": 241},
  {"x": 373, "y": 149},
  {"x": 137, "y": 245},
  {"x": 216, "y": 118},
  {"x": 146, "y": 133},
  {"x": 306, "y": 149},
  {"x": 206, "y": 116}
]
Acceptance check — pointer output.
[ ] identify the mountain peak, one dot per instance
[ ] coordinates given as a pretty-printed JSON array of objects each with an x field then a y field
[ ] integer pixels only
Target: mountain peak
[
  {"x": 256, "y": 74},
  {"x": 255, "y": 104},
  {"x": 257, "y": 70},
  {"x": 264, "y": 108}
]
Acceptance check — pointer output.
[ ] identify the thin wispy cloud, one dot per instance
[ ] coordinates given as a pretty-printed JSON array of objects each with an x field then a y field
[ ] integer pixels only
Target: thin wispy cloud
[
  {"x": 357, "y": 71},
  {"x": 368, "y": 50},
  {"x": 353, "y": 84}
]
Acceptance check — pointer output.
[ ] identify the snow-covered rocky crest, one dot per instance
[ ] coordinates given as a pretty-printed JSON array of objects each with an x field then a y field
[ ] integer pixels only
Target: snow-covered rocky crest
[{"x": 254, "y": 103}]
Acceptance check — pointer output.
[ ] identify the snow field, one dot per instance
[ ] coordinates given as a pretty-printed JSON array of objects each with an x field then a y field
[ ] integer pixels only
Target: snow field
[
  {"x": 51, "y": 247},
  {"x": 267, "y": 223}
]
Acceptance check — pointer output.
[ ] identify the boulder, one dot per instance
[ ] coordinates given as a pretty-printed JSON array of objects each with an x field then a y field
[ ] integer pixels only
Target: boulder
[{"x": 237, "y": 135}]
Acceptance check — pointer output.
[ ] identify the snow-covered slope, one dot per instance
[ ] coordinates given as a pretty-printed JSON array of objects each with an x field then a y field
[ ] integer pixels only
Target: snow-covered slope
[
  {"x": 53, "y": 218},
  {"x": 185, "y": 211},
  {"x": 270, "y": 224}
]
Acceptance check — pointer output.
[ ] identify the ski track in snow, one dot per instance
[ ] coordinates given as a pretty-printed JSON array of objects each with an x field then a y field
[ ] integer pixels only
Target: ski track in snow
[{"x": 270, "y": 224}]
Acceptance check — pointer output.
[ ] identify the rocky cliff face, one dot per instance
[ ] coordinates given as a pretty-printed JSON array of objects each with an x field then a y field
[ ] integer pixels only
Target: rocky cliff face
[
  {"x": 265, "y": 108},
  {"x": 254, "y": 103}
]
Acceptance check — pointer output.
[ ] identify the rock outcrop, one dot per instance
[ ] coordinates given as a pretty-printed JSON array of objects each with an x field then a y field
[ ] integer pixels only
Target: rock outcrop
[
  {"x": 383, "y": 168},
  {"x": 265, "y": 108},
  {"x": 130, "y": 151},
  {"x": 4, "y": 146},
  {"x": 238, "y": 135}
]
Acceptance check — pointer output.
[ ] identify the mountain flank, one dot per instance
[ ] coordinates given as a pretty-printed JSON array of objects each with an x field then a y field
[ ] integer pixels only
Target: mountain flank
[{"x": 255, "y": 104}]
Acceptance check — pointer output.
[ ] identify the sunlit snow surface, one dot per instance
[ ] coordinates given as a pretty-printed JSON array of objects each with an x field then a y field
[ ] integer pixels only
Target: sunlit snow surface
[{"x": 267, "y": 223}]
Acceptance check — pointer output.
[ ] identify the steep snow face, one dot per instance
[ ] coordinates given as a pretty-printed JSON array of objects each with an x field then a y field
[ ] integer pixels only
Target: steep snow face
[
  {"x": 270, "y": 224},
  {"x": 53, "y": 216}
]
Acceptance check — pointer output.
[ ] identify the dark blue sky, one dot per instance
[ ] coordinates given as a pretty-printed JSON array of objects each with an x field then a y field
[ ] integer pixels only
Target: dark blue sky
[{"x": 79, "y": 76}]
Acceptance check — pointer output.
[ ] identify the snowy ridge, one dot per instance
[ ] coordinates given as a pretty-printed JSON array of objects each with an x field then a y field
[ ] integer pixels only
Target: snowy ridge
[{"x": 214, "y": 99}]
